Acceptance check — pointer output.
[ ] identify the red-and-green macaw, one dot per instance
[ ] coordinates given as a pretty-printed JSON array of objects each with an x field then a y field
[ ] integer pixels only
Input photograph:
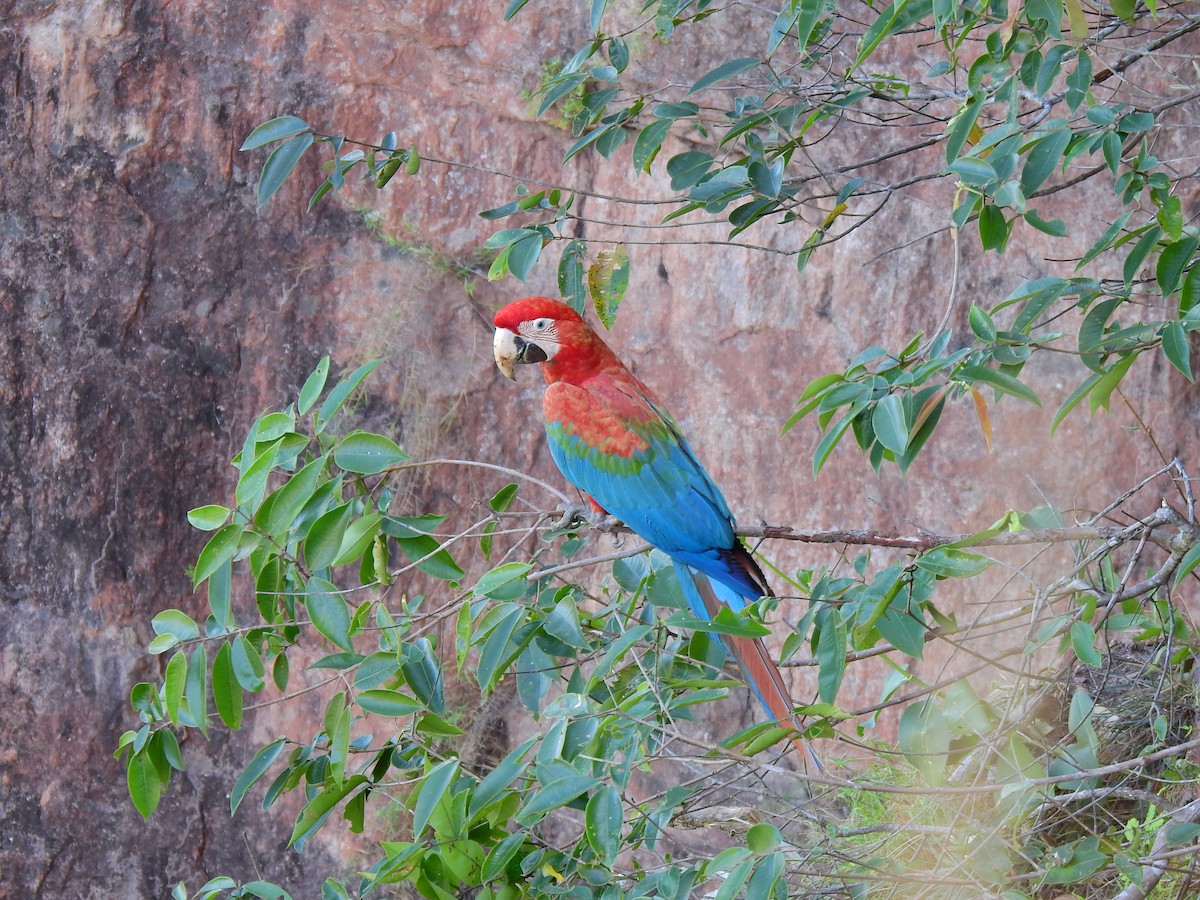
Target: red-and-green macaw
[{"x": 613, "y": 439}]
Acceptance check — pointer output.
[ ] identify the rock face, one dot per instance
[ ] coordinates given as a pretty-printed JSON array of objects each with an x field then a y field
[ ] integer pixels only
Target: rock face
[{"x": 149, "y": 312}]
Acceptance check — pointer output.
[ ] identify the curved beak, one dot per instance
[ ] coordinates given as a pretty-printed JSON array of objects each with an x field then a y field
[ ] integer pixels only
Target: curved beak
[
  {"x": 509, "y": 348},
  {"x": 505, "y": 352}
]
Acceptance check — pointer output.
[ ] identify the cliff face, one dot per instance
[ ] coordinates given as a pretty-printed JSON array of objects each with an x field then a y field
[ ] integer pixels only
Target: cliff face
[{"x": 149, "y": 312}]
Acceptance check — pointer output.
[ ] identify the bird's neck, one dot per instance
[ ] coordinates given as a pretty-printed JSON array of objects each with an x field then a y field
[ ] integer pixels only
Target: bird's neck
[{"x": 577, "y": 361}]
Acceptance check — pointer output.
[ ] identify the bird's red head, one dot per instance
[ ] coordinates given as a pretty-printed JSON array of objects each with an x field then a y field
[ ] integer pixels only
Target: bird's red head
[
  {"x": 532, "y": 308},
  {"x": 541, "y": 330}
]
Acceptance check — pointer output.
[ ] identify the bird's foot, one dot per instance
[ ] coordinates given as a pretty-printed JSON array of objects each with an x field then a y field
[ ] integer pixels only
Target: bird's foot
[{"x": 574, "y": 515}]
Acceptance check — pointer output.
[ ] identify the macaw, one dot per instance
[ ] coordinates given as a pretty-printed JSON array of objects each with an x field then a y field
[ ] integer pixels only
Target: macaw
[{"x": 613, "y": 439}]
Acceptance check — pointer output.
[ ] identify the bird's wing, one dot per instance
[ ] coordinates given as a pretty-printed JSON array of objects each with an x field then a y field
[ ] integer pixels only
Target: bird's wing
[{"x": 612, "y": 440}]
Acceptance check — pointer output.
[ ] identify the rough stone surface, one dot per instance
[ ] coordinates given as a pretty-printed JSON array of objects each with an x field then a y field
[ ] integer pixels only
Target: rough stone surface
[{"x": 149, "y": 312}]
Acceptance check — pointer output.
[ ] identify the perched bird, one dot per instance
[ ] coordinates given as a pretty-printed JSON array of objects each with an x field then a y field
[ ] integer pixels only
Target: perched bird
[{"x": 612, "y": 439}]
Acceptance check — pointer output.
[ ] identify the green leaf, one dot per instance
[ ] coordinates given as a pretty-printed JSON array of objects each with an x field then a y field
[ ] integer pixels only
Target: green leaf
[
  {"x": 890, "y": 423},
  {"x": 1190, "y": 560},
  {"x": 338, "y": 661},
  {"x": 994, "y": 228},
  {"x": 227, "y": 693},
  {"x": 523, "y": 254},
  {"x": 895, "y": 18},
  {"x": 279, "y": 165},
  {"x": 162, "y": 644},
  {"x": 423, "y": 673},
  {"x": 904, "y": 630},
  {"x": 429, "y": 723},
  {"x": 684, "y": 110},
  {"x": 359, "y": 535},
  {"x": 686, "y": 169},
  {"x": 176, "y": 622},
  {"x": 811, "y": 12},
  {"x": 726, "y": 621},
  {"x": 336, "y": 723},
  {"x": 981, "y": 324},
  {"x": 196, "y": 690},
  {"x": 830, "y": 652},
  {"x": 274, "y": 130},
  {"x": 499, "y": 856},
  {"x": 313, "y": 385},
  {"x": 649, "y": 142},
  {"x": 220, "y": 883},
  {"x": 328, "y": 612},
  {"x": 830, "y": 440},
  {"x": 1177, "y": 349},
  {"x": 496, "y": 583},
  {"x": 512, "y": 8},
  {"x": 1083, "y": 642},
  {"x": 571, "y": 276},
  {"x": 497, "y": 780},
  {"x": 558, "y": 88},
  {"x": 973, "y": 170},
  {"x": 1141, "y": 250},
  {"x": 219, "y": 587},
  {"x": 1172, "y": 262},
  {"x": 1053, "y": 227},
  {"x": 1108, "y": 381},
  {"x": 253, "y": 772},
  {"x": 174, "y": 684},
  {"x": 1001, "y": 381},
  {"x": 1106, "y": 240},
  {"x": 1179, "y": 834},
  {"x": 603, "y": 820},
  {"x": 608, "y": 279},
  {"x": 563, "y": 623},
  {"x": 731, "y": 887},
  {"x": 723, "y": 71},
  {"x": 265, "y": 890},
  {"x": 961, "y": 124},
  {"x": 618, "y": 49},
  {"x": 434, "y": 561},
  {"x": 1084, "y": 858},
  {"x": 1071, "y": 402},
  {"x": 218, "y": 551},
  {"x": 498, "y": 648},
  {"x": 925, "y": 740},
  {"x": 208, "y": 518},
  {"x": 430, "y": 791},
  {"x": 341, "y": 391},
  {"x": 247, "y": 665},
  {"x": 552, "y": 796},
  {"x": 324, "y": 539},
  {"x": 253, "y": 481},
  {"x": 384, "y": 702},
  {"x": 947, "y": 562},
  {"x": 1043, "y": 159},
  {"x": 284, "y": 505},
  {"x": 376, "y": 669},
  {"x": 503, "y": 498},
  {"x": 763, "y": 838},
  {"x": 318, "y": 808},
  {"x": 366, "y": 453},
  {"x": 145, "y": 782}
]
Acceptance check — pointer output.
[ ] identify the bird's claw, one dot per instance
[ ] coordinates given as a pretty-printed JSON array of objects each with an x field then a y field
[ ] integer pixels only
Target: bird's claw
[{"x": 576, "y": 514}]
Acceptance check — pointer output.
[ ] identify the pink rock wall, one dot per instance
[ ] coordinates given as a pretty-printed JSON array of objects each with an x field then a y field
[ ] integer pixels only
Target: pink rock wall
[{"x": 150, "y": 311}]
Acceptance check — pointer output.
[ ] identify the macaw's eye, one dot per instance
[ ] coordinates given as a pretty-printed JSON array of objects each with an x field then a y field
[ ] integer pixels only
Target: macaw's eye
[{"x": 540, "y": 324}]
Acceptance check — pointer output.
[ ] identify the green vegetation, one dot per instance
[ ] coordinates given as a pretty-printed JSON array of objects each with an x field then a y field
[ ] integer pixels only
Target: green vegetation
[{"x": 1053, "y": 763}]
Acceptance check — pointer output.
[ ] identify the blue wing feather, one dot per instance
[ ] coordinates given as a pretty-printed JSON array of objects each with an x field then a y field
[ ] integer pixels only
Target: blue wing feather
[{"x": 661, "y": 492}]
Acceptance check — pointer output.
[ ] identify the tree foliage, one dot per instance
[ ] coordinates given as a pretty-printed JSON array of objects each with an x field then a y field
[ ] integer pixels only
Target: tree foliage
[{"x": 1013, "y": 108}]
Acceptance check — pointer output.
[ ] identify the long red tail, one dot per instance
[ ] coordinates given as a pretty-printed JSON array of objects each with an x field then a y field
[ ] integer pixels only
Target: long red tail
[
  {"x": 761, "y": 674},
  {"x": 765, "y": 679}
]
